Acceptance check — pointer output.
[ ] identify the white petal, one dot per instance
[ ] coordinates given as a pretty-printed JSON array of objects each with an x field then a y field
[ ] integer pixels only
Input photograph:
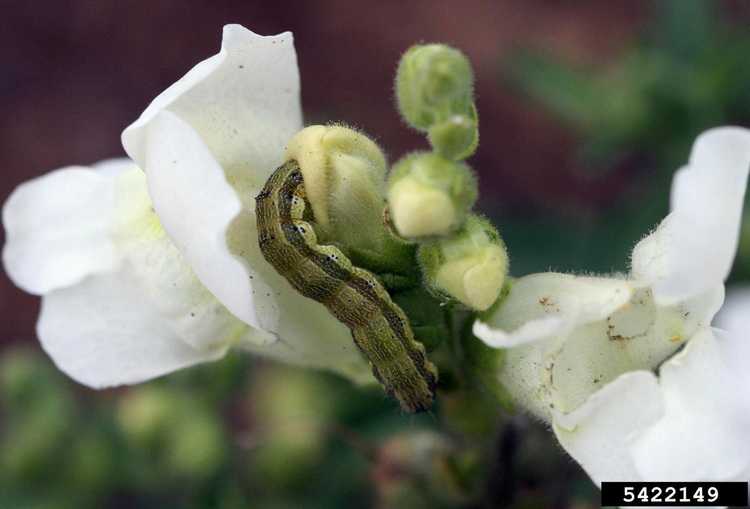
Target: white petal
[
  {"x": 550, "y": 304},
  {"x": 638, "y": 336},
  {"x": 113, "y": 167},
  {"x": 207, "y": 144},
  {"x": 693, "y": 249},
  {"x": 310, "y": 337},
  {"x": 598, "y": 435},
  {"x": 243, "y": 102},
  {"x": 106, "y": 331},
  {"x": 147, "y": 317},
  {"x": 690, "y": 424},
  {"x": 58, "y": 229},
  {"x": 196, "y": 206},
  {"x": 703, "y": 435}
]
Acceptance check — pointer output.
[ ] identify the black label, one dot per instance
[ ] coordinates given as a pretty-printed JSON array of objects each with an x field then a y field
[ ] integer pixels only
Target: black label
[{"x": 675, "y": 494}]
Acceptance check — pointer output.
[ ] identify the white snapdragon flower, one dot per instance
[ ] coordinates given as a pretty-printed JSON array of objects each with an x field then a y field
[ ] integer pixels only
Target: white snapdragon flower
[
  {"x": 152, "y": 264},
  {"x": 634, "y": 381}
]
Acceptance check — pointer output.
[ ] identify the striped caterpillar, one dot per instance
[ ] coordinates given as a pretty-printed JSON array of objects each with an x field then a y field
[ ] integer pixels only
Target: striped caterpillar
[{"x": 353, "y": 295}]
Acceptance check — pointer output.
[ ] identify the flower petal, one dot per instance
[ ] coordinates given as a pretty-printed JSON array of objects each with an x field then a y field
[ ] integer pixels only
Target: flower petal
[
  {"x": 693, "y": 248},
  {"x": 113, "y": 167},
  {"x": 636, "y": 427},
  {"x": 107, "y": 331},
  {"x": 243, "y": 102},
  {"x": 58, "y": 229},
  {"x": 142, "y": 315},
  {"x": 550, "y": 304},
  {"x": 207, "y": 144},
  {"x": 705, "y": 389},
  {"x": 310, "y": 338},
  {"x": 196, "y": 206},
  {"x": 599, "y": 433}
]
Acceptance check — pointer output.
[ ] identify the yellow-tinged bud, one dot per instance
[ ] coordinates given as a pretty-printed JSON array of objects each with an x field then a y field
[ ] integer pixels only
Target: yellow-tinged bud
[
  {"x": 344, "y": 174},
  {"x": 469, "y": 267},
  {"x": 433, "y": 82},
  {"x": 419, "y": 210},
  {"x": 429, "y": 195}
]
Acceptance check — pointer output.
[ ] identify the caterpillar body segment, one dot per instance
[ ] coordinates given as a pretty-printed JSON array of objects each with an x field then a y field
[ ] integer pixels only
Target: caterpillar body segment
[{"x": 379, "y": 327}]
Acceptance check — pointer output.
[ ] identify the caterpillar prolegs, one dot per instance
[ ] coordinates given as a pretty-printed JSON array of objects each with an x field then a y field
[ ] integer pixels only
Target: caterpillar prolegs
[{"x": 353, "y": 295}]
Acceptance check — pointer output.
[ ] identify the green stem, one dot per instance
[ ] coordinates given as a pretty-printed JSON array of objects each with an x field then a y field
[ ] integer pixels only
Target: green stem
[{"x": 397, "y": 257}]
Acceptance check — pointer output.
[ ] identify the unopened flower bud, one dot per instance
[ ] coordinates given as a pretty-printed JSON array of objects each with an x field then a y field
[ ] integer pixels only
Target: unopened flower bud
[
  {"x": 433, "y": 82},
  {"x": 429, "y": 195},
  {"x": 344, "y": 175},
  {"x": 456, "y": 137},
  {"x": 469, "y": 267}
]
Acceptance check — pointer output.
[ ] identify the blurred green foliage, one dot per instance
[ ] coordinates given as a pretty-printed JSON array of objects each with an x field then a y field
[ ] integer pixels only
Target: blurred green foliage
[
  {"x": 246, "y": 433},
  {"x": 639, "y": 115},
  {"x": 238, "y": 433},
  {"x": 687, "y": 73}
]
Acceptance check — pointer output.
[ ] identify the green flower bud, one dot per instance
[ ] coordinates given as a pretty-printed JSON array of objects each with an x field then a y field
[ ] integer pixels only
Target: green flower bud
[
  {"x": 344, "y": 174},
  {"x": 429, "y": 195},
  {"x": 469, "y": 267},
  {"x": 433, "y": 82},
  {"x": 456, "y": 137}
]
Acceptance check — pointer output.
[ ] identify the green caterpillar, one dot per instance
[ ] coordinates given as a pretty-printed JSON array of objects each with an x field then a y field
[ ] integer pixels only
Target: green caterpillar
[{"x": 353, "y": 295}]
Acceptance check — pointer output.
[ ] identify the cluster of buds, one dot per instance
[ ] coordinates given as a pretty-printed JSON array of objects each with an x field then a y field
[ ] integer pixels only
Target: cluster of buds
[
  {"x": 435, "y": 94},
  {"x": 431, "y": 194}
]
